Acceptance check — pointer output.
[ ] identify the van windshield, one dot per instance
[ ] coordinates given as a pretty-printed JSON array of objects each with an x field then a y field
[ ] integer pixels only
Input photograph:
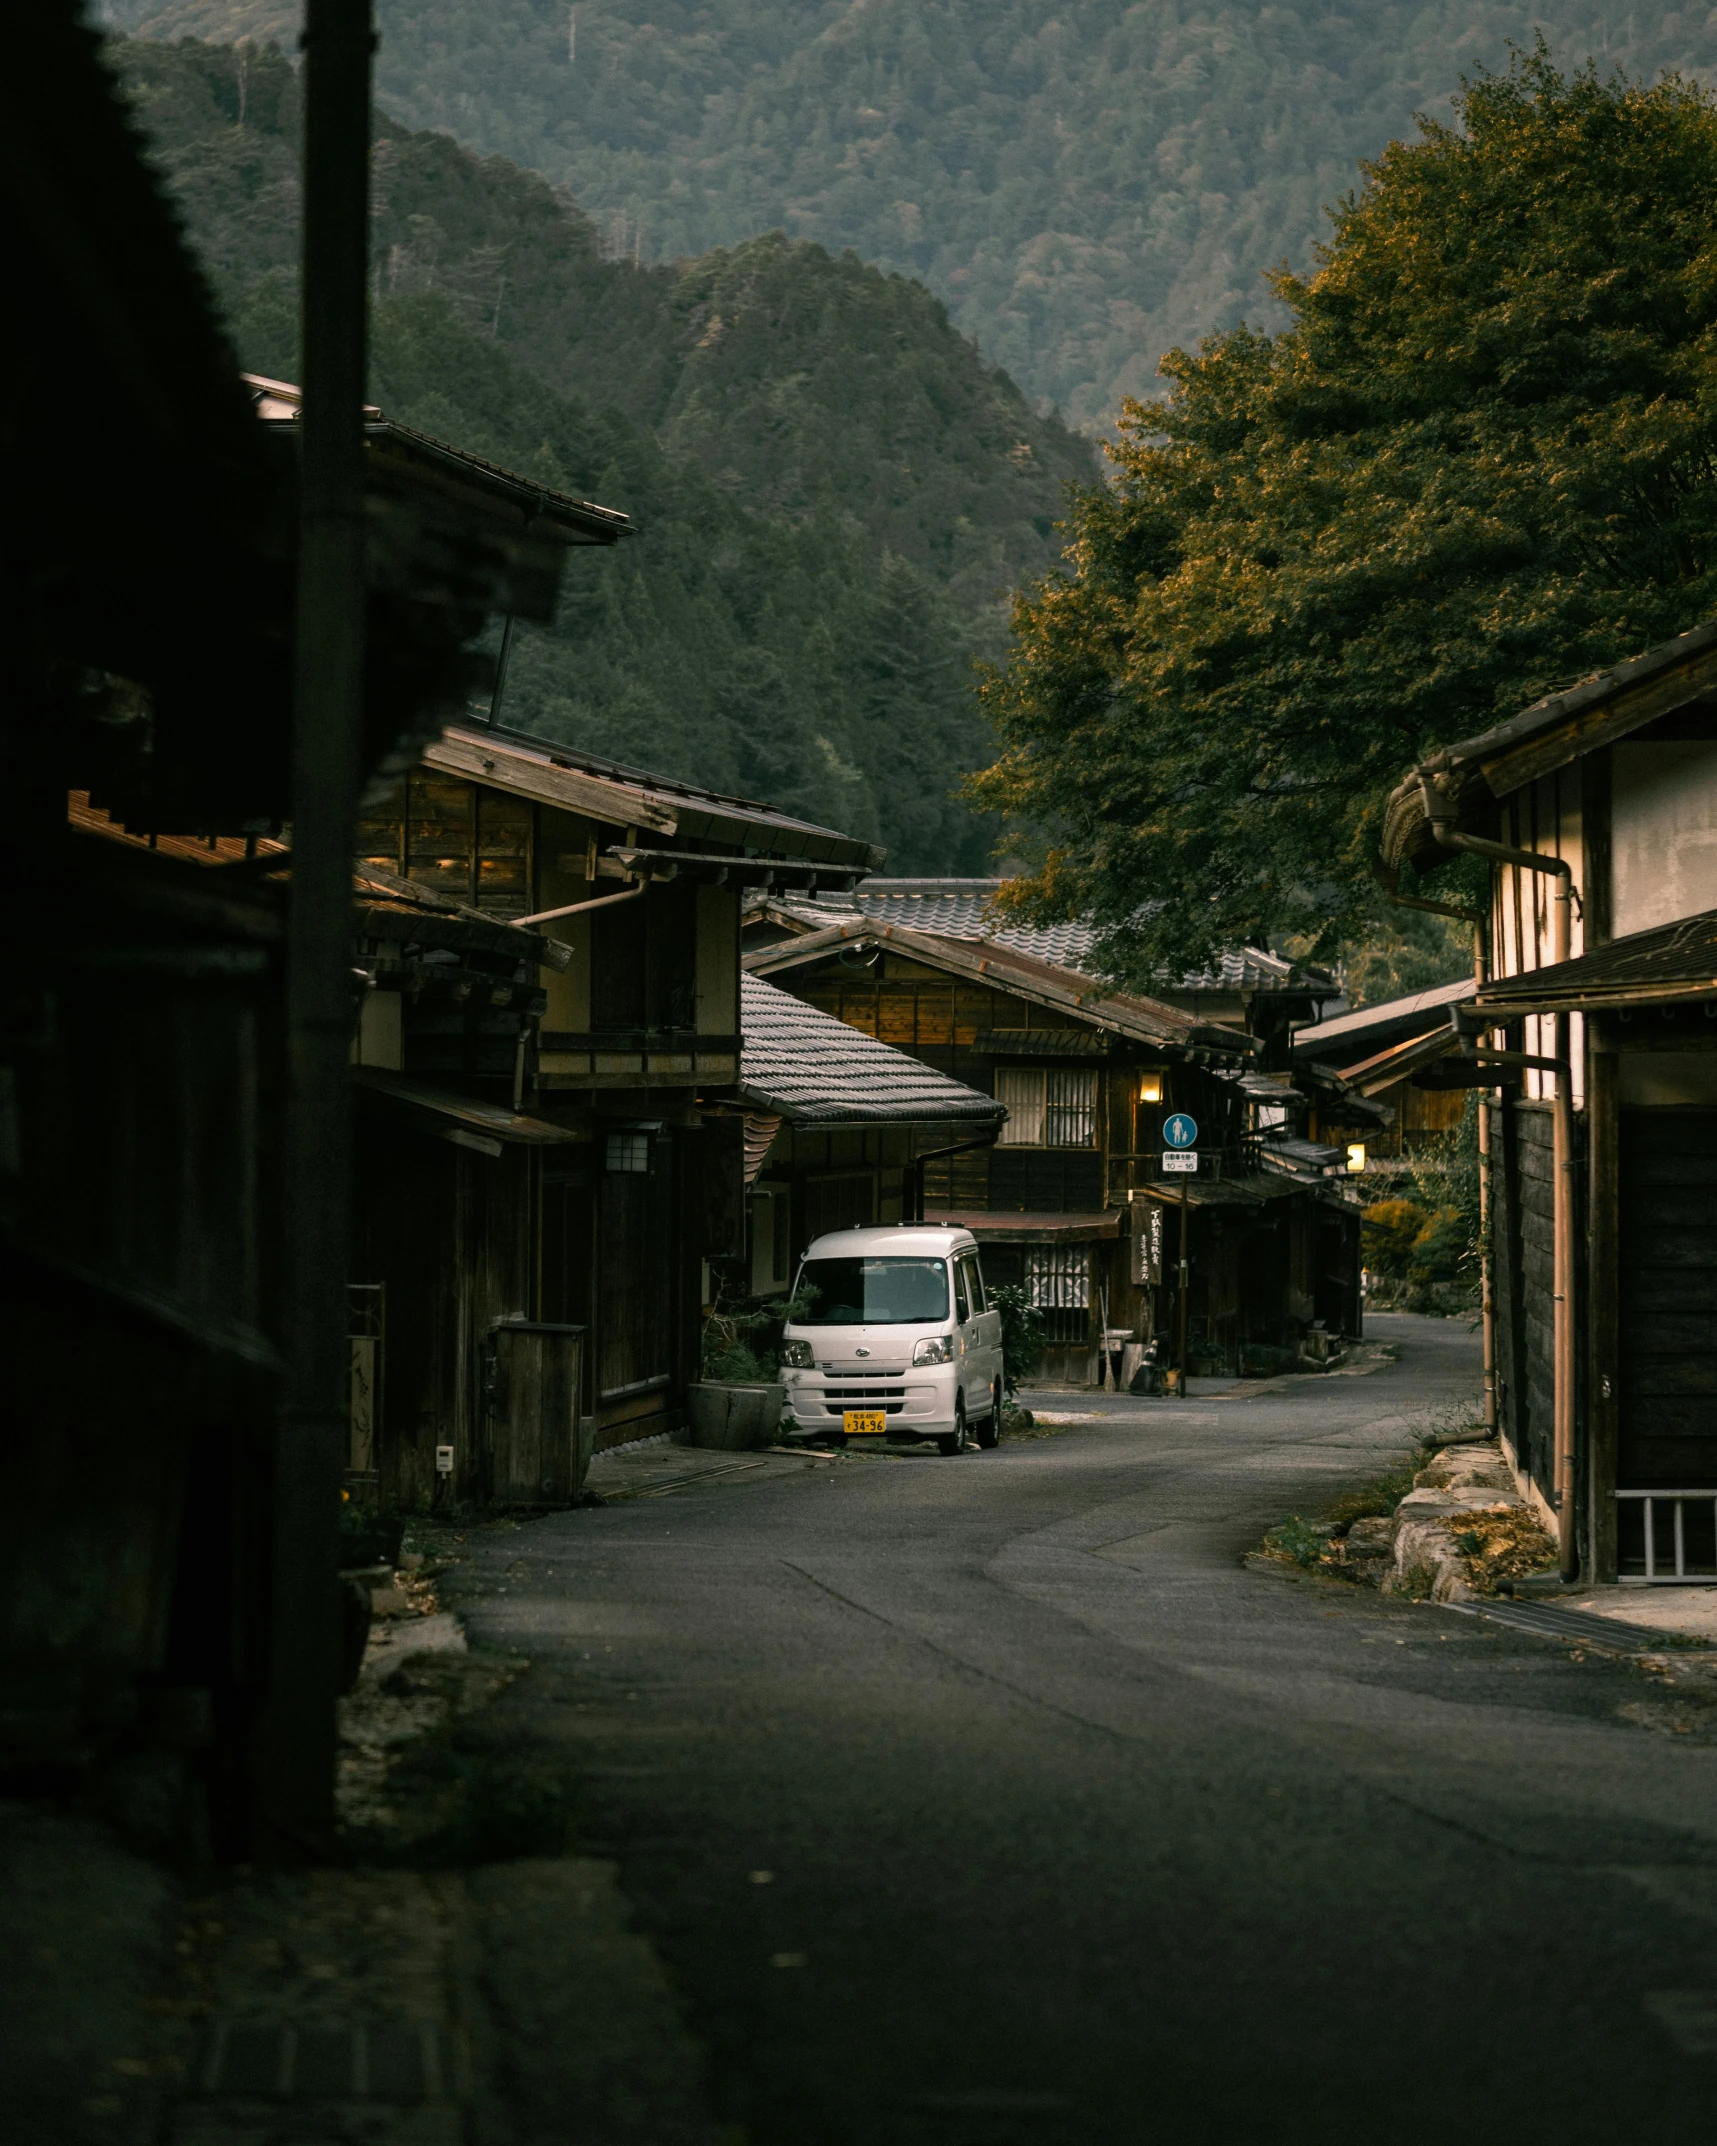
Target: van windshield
[{"x": 875, "y": 1292}]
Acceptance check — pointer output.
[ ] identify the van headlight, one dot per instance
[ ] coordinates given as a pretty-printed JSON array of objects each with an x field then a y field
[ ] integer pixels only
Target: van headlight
[
  {"x": 938, "y": 1349},
  {"x": 795, "y": 1356}
]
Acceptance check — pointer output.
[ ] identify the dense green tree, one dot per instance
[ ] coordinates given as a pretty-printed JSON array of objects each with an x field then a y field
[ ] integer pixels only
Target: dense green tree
[
  {"x": 833, "y": 492},
  {"x": 1085, "y": 183},
  {"x": 1479, "y": 462}
]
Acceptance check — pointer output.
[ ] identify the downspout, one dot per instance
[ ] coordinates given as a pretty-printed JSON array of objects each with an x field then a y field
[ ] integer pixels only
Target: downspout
[
  {"x": 1390, "y": 882},
  {"x": 1440, "y": 814},
  {"x": 572, "y": 909}
]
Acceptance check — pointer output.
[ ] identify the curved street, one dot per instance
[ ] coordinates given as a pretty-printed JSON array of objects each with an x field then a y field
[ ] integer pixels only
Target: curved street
[{"x": 997, "y": 1799}]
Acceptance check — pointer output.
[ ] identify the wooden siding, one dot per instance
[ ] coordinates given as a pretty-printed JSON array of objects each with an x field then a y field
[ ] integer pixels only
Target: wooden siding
[
  {"x": 1525, "y": 1264},
  {"x": 1667, "y": 1324}
]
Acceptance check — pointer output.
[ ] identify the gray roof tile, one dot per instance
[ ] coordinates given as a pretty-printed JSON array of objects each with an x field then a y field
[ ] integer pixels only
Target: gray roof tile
[{"x": 814, "y": 1070}]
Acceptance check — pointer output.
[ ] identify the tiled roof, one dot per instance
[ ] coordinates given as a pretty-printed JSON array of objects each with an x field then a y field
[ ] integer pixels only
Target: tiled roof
[
  {"x": 814, "y": 1070},
  {"x": 962, "y": 909}
]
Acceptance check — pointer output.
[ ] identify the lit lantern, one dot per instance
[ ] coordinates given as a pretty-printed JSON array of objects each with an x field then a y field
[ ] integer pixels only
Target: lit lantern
[
  {"x": 1150, "y": 1087},
  {"x": 1355, "y": 1157}
]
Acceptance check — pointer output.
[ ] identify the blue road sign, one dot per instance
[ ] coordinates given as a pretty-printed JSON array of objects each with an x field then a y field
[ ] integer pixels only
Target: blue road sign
[{"x": 1180, "y": 1131}]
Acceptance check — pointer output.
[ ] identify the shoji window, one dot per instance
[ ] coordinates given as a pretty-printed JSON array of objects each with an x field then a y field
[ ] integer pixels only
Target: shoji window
[{"x": 1054, "y": 1108}]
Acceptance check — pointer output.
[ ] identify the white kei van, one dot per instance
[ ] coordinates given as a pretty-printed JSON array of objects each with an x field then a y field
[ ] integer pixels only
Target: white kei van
[{"x": 899, "y": 1341}]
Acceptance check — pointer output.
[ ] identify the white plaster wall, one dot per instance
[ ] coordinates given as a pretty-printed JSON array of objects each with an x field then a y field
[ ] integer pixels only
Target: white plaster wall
[
  {"x": 1545, "y": 818},
  {"x": 1663, "y": 833}
]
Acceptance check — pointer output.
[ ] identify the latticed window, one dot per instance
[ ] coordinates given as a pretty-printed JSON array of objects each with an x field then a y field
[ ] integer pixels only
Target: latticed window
[
  {"x": 1058, "y": 1288},
  {"x": 1054, "y": 1107}
]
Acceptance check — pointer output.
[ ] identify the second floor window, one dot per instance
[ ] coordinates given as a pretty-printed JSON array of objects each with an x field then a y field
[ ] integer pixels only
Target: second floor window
[{"x": 1048, "y": 1107}]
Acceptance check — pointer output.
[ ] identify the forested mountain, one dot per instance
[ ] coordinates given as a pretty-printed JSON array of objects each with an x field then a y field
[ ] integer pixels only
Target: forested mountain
[
  {"x": 834, "y": 492},
  {"x": 1085, "y": 183}
]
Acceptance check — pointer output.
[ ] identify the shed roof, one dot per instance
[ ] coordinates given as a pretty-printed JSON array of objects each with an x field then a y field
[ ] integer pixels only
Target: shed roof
[
  {"x": 999, "y": 1225},
  {"x": 1673, "y": 963},
  {"x": 1350, "y": 1037},
  {"x": 812, "y": 1069}
]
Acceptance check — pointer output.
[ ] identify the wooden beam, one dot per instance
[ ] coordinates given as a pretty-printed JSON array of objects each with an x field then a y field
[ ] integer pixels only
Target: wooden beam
[{"x": 615, "y": 804}]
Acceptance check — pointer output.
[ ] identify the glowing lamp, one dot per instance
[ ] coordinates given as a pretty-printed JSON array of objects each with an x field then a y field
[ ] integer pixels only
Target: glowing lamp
[
  {"x": 1150, "y": 1087},
  {"x": 1355, "y": 1157}
]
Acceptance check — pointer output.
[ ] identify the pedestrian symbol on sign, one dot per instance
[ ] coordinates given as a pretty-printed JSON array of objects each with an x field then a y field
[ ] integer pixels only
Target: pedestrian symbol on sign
[{"x": 1180, "y": 1131}]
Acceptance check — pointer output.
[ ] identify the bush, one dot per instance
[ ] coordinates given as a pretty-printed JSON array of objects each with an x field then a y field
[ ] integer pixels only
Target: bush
[
  {"x": 1022, "y": 1333},
  {"x": 742, "y": 1348},
  {"x": 1441, "y": 1249},
  {"x": 1391, "y": 1230}
]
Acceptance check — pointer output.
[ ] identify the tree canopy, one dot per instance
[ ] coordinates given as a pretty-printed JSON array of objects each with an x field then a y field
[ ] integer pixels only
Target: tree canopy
[{"x": 1477, "y": 464}]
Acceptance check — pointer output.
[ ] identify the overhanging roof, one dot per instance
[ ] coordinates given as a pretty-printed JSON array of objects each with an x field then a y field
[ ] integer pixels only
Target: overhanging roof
[
  {"x": 1477, "y": 773},
  {"x": 483, "y": 1126},
  {"x": 585, "y": 783},
  {"x": 999, "y": 1226},
  {"x": 279, "y": 403},
  {"x": 1674, "y": 964}
]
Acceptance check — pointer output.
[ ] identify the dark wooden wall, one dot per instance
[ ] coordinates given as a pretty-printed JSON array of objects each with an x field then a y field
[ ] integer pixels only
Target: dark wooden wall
[
  {"x": 1667, "y": 1298},
  {"x": 451, "y": 1237},
  {"x": 1525, "y": 1269}
]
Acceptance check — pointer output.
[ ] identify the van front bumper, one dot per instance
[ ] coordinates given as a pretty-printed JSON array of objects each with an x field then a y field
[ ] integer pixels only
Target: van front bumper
[{"x": 916, "y": 1406}]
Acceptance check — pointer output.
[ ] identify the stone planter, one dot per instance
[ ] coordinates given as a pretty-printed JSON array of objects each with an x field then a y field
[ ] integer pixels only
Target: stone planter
[{"x": 733, "y": 1418}]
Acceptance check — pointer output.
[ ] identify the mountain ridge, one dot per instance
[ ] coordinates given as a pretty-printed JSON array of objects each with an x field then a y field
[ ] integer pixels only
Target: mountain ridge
[
  {"x": 834, "y": 493},
  {"x": 1085, "y": 184}
]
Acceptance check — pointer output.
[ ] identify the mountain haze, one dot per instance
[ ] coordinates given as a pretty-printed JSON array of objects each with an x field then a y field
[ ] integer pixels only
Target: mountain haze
[{"x": 1084, "y": 183}]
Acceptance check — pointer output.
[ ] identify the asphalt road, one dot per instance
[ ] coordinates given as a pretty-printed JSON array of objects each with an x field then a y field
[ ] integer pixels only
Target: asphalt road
[{"x": 995, "y": 1800}]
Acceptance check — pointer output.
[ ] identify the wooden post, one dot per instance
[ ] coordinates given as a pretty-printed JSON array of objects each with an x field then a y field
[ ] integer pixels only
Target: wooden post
[
  {"x": 297, "y": 1781},
  {"x": 1603, "y": 1252}
]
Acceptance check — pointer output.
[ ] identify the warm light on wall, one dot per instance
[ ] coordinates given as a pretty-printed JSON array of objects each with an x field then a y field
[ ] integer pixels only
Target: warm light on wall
[
  {"x": 1150, "y": 1087},
  {"x": 1356, "y": 1156}
]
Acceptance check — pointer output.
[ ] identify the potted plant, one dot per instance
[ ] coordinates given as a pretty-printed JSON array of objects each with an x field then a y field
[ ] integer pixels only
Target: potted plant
[{"x": 736, "y": 1404}]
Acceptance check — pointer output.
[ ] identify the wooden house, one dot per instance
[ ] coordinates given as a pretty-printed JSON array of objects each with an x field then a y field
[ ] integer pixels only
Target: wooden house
[
  {"x": 1264, "y": 995},
  {"x": 1593, "y": 1047},
  {"x": 169, "y": 1607},
  {"x": 1072, "y": 1200},
  {"x": 548, "y": 1163},
  {"x": 840, "y": 1130}
]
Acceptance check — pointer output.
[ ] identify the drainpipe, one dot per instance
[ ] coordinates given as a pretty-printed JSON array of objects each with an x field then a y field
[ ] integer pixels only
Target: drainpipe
[
  {"x": 1440, "y": 813},
  {"x": 572, "y": 909},
  {"x": 1390, "y": 882}
]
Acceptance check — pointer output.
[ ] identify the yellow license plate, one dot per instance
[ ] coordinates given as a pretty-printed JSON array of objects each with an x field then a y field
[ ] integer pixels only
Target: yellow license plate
[{"x": 872, "y": 1420}]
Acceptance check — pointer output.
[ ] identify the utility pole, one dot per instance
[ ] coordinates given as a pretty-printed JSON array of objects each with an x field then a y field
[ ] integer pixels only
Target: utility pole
[
  {"x": 297, "y": 1755},
  {"x": 1185, "y": 1284}
]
